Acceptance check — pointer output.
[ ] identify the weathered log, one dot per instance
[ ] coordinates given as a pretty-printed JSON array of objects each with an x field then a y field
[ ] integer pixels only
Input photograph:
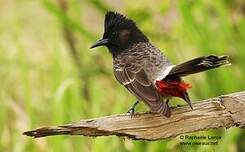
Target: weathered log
[{"x": 221, "y": 112}]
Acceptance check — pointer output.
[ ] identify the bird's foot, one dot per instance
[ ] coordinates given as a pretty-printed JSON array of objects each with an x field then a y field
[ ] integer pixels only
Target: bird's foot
[{"x": 131, "y": 110}]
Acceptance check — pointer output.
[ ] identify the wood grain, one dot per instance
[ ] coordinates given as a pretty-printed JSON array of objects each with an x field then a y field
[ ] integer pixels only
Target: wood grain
[{"x": 221, "y": 112}]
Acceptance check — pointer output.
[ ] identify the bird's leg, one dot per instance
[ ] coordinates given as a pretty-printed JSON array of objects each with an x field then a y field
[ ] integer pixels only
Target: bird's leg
[
  {"x": 131, "y": 110},
  {"x": 167, "y": 101}
]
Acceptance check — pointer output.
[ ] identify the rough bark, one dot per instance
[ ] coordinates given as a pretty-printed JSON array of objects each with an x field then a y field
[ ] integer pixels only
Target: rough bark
[{"x": 221, "y": 112}]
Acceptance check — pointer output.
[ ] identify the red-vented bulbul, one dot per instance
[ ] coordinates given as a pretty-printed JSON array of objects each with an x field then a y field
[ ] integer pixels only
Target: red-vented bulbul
[{"x": 144, "y": 70}]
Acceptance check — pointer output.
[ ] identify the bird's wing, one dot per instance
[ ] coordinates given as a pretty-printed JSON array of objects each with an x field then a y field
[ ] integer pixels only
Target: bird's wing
[{"x": 137, "y": 82}]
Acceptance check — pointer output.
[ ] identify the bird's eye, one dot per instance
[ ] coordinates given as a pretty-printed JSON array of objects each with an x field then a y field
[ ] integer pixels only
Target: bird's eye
[{"x": 113, "y": 34}]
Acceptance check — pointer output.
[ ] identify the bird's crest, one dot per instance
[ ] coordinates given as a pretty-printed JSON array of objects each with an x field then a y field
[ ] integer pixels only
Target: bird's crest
[{"x": 114, "y": 19}]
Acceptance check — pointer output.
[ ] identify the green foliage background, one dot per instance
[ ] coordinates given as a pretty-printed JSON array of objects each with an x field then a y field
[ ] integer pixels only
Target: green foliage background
[{"x": 48, "y": 75}]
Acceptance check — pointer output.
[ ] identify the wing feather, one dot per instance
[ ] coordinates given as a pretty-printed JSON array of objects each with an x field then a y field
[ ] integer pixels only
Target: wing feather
[{"x": 140, "y": 86}]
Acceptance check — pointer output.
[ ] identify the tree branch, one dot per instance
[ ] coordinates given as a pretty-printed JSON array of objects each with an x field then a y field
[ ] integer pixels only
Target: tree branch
[{"x": 223, "y": 111}]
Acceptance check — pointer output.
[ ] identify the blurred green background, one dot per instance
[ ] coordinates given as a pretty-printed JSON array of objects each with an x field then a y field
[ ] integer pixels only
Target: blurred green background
[{"x": 48, "y": 76}]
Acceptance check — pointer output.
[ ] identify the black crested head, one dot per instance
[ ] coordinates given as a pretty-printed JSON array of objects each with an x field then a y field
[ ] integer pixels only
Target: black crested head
[
  {"x": 114, "y": 20},
  {"x": 120, "y": 33}
]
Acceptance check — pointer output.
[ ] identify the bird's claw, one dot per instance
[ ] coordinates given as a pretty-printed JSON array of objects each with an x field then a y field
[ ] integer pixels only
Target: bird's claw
[{"x": 131, "y": 111}]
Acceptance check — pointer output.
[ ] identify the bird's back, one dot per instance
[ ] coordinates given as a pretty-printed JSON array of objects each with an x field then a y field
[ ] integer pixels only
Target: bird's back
[{"x": 143, "y": 56}]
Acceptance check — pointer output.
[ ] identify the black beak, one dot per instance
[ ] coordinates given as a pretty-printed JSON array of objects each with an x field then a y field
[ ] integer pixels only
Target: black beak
[{"x": 100, "y": 43}]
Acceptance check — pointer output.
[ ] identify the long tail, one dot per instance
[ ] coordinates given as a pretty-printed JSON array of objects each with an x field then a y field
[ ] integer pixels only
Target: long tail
[{"x": 198, "y": 65}]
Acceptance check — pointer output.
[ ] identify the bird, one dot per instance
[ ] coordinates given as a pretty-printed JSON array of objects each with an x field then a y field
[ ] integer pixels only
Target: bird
[{"x": 144, "y": 70}]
